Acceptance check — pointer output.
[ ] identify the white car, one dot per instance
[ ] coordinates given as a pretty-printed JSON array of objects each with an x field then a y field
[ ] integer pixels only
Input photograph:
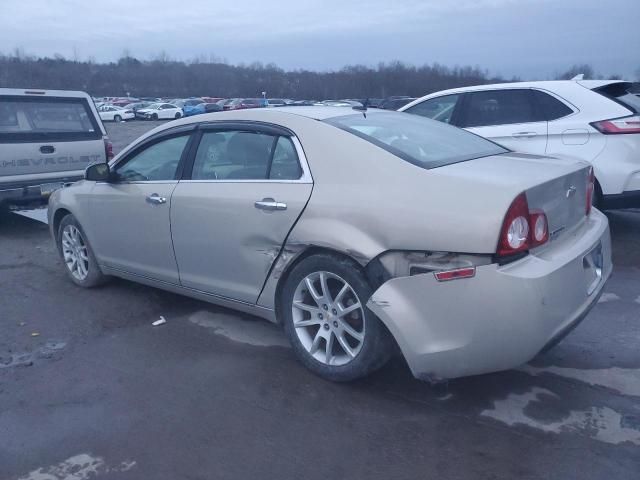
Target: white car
[
  {"x": 111, "y": 113},
  {"x": 160, "y": 111},
  {"x": 593, "y": 120}
]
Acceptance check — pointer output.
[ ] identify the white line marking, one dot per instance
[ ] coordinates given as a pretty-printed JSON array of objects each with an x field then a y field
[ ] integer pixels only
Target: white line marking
[
  {"x": 599, "y": 423},
  {"x": 39, "y": 214},
  {"x": 78, "y": 467},
  {"x": 608, "y": 297}
]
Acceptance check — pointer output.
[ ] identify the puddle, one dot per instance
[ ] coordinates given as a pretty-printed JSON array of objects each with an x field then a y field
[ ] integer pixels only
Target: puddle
[
  {"x": 623, "y": 380},
  {"x": 78, "y": 467},
  {"x": 600, "y": 423},
  {"x": 259, "y": 333}
]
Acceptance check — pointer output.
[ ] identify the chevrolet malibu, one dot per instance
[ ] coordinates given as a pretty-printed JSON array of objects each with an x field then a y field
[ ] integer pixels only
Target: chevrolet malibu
[{"x": 359, "y": 232}]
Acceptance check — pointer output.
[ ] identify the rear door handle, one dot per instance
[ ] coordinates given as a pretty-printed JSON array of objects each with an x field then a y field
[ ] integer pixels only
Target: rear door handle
[
  {"x": 524, "y": 134},
  {"x": 156, "y": 199},
  {"x": 270, "y": 204}
]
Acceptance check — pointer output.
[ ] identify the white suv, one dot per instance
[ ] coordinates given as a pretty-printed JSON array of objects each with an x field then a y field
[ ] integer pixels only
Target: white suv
[
  {"x": 593, "y": 120},
  {"x": 47, "y": 139}
]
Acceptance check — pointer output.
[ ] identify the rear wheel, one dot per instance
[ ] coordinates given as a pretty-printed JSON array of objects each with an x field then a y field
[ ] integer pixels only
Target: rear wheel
[
  {"x": 178, "y": 115},
  {"x": 80, "y": 263},
  {"x": 117, "y": 119},
  {"x": 596, "y": 201},
  {"x": 331, "y": 330}
]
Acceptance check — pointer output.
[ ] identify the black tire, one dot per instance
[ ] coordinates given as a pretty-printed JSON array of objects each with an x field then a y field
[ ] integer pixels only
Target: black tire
[
  {"x": 376, "y": 346},
  {"x": 117, "y": 118},
  {"x": 597, "y": 199},
  {"x": 154, "y": 116},
  {"x": 94, "y": 276},
  {"x": 178, "y": 115}
]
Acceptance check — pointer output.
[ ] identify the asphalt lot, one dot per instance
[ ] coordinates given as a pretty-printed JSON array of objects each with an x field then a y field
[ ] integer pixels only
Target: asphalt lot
[{"x": 214, "y": 394}]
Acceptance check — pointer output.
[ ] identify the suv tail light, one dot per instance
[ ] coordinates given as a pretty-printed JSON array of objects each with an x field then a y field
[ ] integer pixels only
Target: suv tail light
[
  {"x": 522, "y": 229},
  {"x": 108, "y": 148},
  {"x": 591, "y": 180},
  {"x": 615, "y": 126}
]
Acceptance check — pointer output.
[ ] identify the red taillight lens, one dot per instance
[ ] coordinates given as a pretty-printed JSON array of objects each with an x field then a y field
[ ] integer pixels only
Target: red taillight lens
[
  {"x": 522, "y": 229},
  {"x": 591, "y": 180},
  {"x": 615, "y": 126},
  {"x": 514, "y": 237},
  {"x": 108, "y": 149}
]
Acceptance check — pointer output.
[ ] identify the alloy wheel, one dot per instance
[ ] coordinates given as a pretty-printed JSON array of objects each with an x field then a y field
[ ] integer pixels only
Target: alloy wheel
[
  {"x": 328, "y": 318},
  {"x": 74, "y": 252}
]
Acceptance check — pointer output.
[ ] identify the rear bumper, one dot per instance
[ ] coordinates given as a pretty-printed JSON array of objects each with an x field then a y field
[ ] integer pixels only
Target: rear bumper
[
  {"x": 630, "y": 199},
  {"x": 502, "y": 317}
]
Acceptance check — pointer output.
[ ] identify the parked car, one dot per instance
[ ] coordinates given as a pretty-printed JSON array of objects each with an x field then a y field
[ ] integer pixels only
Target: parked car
[
  {"x": 201, "y": 108},
  {"x": 159, "y": 111},
  {"x": 47, "y": 138},
  {"x": 193, "y": 108},
  {"x": 395, "y": 103},
  {"x": 244, "y": 103},
  {"x": 137, "y": 106},
  {"x": 593, "y": 120},
  {"x": 469, "y": 257},
  {"x": 276, "y": 102},
  {"x": 110, "y": 113}
]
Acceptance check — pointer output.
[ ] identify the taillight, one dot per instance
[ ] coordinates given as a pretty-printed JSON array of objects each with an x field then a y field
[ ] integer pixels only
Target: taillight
[
  {"x": 591, "y": 180},
  {"x": 522, "y": 229},
  {"x": 615, "y": 126},
  {"x": 447, "y": 275},
  {"x": 514, "y": 237},
  {"x": 108, "y": 149}
]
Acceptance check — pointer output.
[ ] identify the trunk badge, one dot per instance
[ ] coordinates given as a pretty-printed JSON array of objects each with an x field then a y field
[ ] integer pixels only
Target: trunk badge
[{"x": 571, "y": 191}]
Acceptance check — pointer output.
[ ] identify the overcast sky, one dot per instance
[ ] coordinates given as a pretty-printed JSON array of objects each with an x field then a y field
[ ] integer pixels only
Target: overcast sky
[{"x": 532, "y": 39}]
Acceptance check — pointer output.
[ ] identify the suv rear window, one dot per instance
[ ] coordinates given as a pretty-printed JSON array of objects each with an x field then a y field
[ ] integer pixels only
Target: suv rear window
[
  {"x": 418, "y": 140},
  {"x": 28, "y": 119},
  {"x": 619, "y": 92}
]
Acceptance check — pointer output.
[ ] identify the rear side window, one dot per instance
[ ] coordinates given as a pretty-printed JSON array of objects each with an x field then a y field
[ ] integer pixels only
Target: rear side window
[
  {"x": 28, "y": 119},
  {"x": 418, "y": 140},
  {"x": 549, "y": 107},
  {"x": 439, "y": 108},
  {"x": 619, "y": 92},
  {"x": 499, "y": 107}
]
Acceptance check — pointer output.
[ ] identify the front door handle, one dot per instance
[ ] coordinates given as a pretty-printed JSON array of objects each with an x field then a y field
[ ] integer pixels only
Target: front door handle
[
  {"x": 524, "y": 134},
  {"x": 155, "y": 199},
  {"x": 270, "y": 204}
]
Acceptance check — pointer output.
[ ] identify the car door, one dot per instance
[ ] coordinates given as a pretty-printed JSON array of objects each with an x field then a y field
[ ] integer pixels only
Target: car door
[
  {"x": 233, "y": 212},
  {"x": 508, "y": 117},
  {"x": 129, "y": 216}
]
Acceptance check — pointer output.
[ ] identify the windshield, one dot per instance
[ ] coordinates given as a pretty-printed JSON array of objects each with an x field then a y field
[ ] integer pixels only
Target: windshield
[{"x": 418, "y": 140}]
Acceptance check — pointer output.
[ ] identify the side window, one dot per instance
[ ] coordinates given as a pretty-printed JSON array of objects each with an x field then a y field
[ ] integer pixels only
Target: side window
[
  {"x": 155, "y": 163},
  {"x": 440, "y": 108},
  {"x": 238, "y": 155},
  {"x": 285, "y": 165},
  {"x": 499, "y": 107},
  {"x": 551, "y": 108}
]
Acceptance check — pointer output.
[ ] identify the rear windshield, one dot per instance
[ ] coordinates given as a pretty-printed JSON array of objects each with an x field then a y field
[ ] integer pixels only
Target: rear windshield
[
  {"x": 619, "y": 92},
  {"x": 418, "y": 140},
  {"x": 27, "y": 119}
]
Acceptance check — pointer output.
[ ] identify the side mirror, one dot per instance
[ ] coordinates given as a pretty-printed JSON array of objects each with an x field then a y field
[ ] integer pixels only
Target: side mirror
[{"x": 98, "y": 172}]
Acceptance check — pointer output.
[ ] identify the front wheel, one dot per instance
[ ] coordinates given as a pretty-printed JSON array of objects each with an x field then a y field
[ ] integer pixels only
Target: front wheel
[
  {"x": 80, "y": 263},
  {"x": 331, "y": 330},
  {"x": 154, "y": 116}
]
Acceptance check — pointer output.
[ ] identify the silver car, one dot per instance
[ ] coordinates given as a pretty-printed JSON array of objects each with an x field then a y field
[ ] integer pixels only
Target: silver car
[{"x": 356, "y": 230}]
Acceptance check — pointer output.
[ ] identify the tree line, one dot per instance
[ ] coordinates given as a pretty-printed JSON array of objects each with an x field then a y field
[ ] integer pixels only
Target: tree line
[{"x": 164, "y": 77}]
